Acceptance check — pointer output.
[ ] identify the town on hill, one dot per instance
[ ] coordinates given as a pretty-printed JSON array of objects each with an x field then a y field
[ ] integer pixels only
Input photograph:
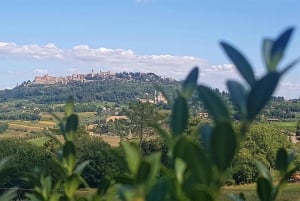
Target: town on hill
[{"x": 93, "y": 76}]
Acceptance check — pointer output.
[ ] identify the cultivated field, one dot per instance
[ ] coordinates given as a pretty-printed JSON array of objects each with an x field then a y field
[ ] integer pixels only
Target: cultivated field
[{"x": 291, "y": 192}]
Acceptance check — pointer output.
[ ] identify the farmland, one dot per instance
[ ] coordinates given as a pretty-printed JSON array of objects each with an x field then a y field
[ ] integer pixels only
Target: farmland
[{"x": 290, "y": 192}]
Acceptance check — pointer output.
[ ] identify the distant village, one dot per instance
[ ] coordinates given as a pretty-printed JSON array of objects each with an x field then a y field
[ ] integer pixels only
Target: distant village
[
  {"x": 93, "y": 76},
  {"x": 46, "y": 79}
]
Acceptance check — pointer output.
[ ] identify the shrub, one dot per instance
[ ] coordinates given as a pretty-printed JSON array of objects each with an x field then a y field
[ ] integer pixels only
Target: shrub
[
  {"x": 24, "y": 157},
  {"x": 197, "y": 171},
  {"x": 102, "y": 161}
]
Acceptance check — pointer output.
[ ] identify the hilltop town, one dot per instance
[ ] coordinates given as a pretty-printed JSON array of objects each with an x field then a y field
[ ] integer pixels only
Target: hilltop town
[
  {"x": 93, "y": 76},
  {"x": 46, "y": 79}
]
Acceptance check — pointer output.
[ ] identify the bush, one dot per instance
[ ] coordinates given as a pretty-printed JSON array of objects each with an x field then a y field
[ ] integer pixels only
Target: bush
[
  {"x": 197, "y": 172},
  {"x": 261, "y": 143},
  {"x": 156, "y": 145},
  {"x": 24, "y": 157},
  {"x": 103, "y": 162}
]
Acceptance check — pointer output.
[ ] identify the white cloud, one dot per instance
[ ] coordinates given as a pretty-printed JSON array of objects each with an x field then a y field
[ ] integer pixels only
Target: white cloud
[
  {"x": 118, "y": 60},
  {"x": 47, "y": 51},
  {"x": 40, "y": 71},
  {"x": 82, "y": 58},
  {"x": 289, "y": 88}
]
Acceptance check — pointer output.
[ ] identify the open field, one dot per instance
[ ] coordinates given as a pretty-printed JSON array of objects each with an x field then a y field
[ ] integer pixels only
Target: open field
[
  {"x": 83, "y": 116},
  {"x": 290, "y": 192},
  {"x": 111, "y": 140},
  {"x": 9, "y": 133},
  {"x": 29, "y": 126},
  {"x": 286, "y": 125}
]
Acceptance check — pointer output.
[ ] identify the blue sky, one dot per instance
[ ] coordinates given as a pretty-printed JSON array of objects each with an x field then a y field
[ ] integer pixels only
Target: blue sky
[{"x": 167, "y": 37}]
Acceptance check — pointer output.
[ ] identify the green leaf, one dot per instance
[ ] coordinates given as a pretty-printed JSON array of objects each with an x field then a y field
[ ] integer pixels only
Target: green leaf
[
  {"x": 238, "y": 96},
  {"x": 154, "y": 160},
  {"x": 201, "y": 194},
  {"x": 288, "y": 175},
  {"x": 223, "y": 145},
  {"x": 282, "y": 160},
  {"x": 190, "y": 83},
  {"x": 261, "y": 93},
  {"x": 278, "y": 48},
  {"x": 133, "y": 156},
  {"x": 69, "y": 106},
  {"x": 159, "y": 191},
  {"x": 263, "y": 171},
  {"x": 69, "y": 159},
  {"x": 290, "y": 66},
  {"x": 81, "y": 167},
  {"x": 240, "y": 62},
  {"x": 9, "y": 195},
  {"x": 164, "y": 135},
  {"x": 148, "y": 170},
  {"x": 4, "y": 163},
  {"x": 103, "y": 186},
  {"x": 72, "y": 123},
  {"x": 180, "y": 168},
  {"x": 124, "y": 178},
  {"x": 195, "y": 159},
  {"x": 264, "y": 189},
  {"x": 57, "y": 168},
  {"x": 143, "y": 171},
  {"x": 267, "y": 46},
  {"x": 213, "y": 103},
  {"x": 179, "y": 116},
  {"x": 71, "y": 185},
  {"x": 292, "y": 155},
  {"x": 205, "y": 136}
]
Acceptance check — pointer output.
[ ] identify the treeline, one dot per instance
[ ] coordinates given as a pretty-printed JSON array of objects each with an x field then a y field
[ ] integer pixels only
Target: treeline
[{"x": 118, "y": 91}]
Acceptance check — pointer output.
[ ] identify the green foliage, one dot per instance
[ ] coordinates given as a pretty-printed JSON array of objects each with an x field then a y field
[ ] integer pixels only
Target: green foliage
[
  {"x": 66, "y": 167},
  {"x": 3, "y": 127},
  {"x": 103, "y": 162},
  {"x": 261, "y": 142},
  {"x": 195, "y": 171},
  {"x": 142, "y": 116},
  {"x": 5, "y": 169},
  {"x": 24, "y": 157},
  {"x": 124, "y": 88},
  {"x": 298, "y": 128}
]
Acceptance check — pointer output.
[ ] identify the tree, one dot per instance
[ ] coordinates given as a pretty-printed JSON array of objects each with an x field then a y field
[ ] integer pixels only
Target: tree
[
  {"x": 298, "y": 129},
  {"x": 142, "y": 116},
  {"x": 261, "y": 143}
]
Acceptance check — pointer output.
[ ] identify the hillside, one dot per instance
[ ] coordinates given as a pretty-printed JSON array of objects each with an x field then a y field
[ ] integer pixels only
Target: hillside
[{"x": 120, "y": 88}]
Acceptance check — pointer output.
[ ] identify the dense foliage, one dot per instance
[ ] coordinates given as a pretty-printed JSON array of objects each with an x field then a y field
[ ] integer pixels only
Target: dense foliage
[
  {"x": 24, "y": 157},
  {"x": 103, "y": 163},
  {"x": 261, "y": 143},
  {"x": 125, "y": 88},
  {"x": 197, "y": 164}
]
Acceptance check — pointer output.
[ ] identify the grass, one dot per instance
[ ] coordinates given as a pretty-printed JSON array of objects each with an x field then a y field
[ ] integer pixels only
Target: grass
[
  {"x": 286, "y": 125},
  {"x": 39, "y": 141},
  {"x": 10, "y": 133},
  {"x": 290, "y": 192}
]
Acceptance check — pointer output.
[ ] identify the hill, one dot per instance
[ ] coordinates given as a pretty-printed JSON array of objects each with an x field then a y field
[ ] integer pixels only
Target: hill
[{"x": 119, "y": 88}]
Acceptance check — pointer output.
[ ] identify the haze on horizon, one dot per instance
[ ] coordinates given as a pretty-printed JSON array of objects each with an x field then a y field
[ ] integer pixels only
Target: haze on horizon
[{"x": 166, "y": 37}]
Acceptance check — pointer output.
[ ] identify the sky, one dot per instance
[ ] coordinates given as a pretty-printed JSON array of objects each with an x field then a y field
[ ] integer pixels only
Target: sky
[{"x": 167, "y": 37}]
